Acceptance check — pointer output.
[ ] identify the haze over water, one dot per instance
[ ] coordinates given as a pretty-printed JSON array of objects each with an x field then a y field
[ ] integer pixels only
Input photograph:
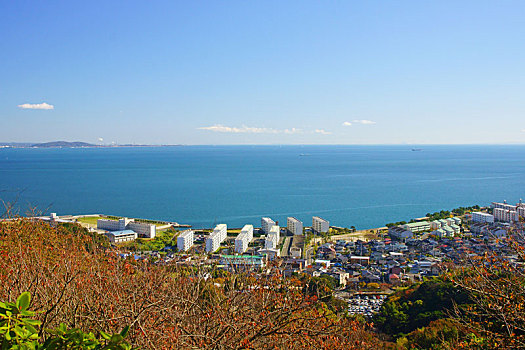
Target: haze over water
[{"x": 363, "y": 186}]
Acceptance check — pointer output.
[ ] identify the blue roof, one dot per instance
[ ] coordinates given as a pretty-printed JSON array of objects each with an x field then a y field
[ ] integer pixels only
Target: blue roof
[{"x": 122, "y": 233}]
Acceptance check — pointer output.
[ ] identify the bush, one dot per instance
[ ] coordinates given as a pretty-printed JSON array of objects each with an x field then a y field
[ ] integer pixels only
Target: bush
[{"x": 18, "y": 330}]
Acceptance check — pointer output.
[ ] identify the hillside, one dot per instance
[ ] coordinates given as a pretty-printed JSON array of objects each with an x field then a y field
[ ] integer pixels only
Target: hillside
[{"x": 76, "y": 279}]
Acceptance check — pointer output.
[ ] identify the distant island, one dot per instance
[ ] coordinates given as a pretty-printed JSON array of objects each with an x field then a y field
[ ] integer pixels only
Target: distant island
[{"x": 67, "y": 144}]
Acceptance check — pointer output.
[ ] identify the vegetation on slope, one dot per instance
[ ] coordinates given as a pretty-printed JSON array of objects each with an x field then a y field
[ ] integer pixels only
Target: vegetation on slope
[
  {"x": 417, "y": 306},
  {"x": 77, "y": 282}
]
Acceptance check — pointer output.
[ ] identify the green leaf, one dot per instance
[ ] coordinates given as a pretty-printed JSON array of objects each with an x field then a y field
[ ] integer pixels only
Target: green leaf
[
  {"x": 23, "y": 301},
  {"x": 31, "y": 322},
  {"x": 31, "y": 329},
  {"x": 125, "y": 331},
  {"x": 105, "y": 335}
]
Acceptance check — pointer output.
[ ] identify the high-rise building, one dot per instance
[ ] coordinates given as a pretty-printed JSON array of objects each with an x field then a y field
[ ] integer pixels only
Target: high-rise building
[
  {"x": 272, "y": 238},
  {"x": 266, "y": 224},
  {"x": 320, "y": 225},
  {"x": 505, "y": 215},
  {"x": 243, "y": 239},
  {"x": 294, "y": 226},
  {"x": 214, "y": 240},
  {"x": 185, "y": 240}
]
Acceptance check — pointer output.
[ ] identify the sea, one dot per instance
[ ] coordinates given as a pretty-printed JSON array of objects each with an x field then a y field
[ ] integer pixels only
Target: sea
[{"x": 360, "y": 186}]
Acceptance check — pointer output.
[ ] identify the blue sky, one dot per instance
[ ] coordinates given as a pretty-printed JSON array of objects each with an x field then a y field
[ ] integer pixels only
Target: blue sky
[{"x": 263, "y": 72}]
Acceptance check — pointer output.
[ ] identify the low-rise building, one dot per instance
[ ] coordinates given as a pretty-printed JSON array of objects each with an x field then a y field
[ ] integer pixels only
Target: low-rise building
[
  {"x": 320, "y": 225},
  {"x": 294, "y": 226},
  {"x": 456, "y": 228},
  {"x": 399, "y": 232},
  {"x": 361, "y": 260},
  {"x": 295, "y": 252},
  {"x": 482, "y": 217},
  {"x": 419, "y": 226},
  {"x": 439, "y": 232},
  {"x": 434, "y": 225},
  {"x": 449, "y": 231},
  {"x": 241, "y": 262},
  {"x": 121, "y": 236},
  {"x": 185, "y": 240},
  {"x": 142, "y": 229},
  {"x": 443, "y": 222}
]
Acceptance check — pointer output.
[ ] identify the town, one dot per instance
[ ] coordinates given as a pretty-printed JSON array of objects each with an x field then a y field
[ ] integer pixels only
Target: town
[{"x": 362, "y": 267}]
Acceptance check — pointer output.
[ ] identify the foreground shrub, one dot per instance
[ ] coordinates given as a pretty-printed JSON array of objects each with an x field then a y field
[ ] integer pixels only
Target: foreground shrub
[{"x": 18, "y": 330}]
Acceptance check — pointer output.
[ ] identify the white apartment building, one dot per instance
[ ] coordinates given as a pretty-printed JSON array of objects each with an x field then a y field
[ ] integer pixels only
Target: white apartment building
[
  {"x": 482, "y": 217},
  {"x": 505, "y": 215},
  {"x": 272, "y": 239},
  {"x": 243, "y": 239},
  {"x": 142, "y": 229},
  {"x": 185, "y": 240},
  {"x": 294, "y": 226},
  {"x": 320, "y": 225},
  {"x": 434, "y": 225},
  {"x": 450, "y": 221},
  {"x": 503, "y": 205},
  {"x": 214, "y": 240},
  {"x": 266, "y": 224},
  {"x": 456, "y": 228},
  {"x": 521, "y": 211}
]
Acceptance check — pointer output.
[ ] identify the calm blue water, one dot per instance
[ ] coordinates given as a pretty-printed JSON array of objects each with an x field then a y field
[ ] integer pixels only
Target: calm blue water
[{"x": 364, "y": 186}]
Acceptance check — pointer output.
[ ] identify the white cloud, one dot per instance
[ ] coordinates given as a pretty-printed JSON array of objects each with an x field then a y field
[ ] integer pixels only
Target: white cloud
[
  {"x": 100, "y": 139},
  {"x": 363, "y": 121},
  {"x": 249, "y": 130},
  {"x": 293, "y": 131},
  {"x": 239, "y": 130},
  {"x": 322, "y": 131},
  {"x": 523, "y": 130},
  {"x": 347, "y": 124},
  {"x": 42, "y": 105}
]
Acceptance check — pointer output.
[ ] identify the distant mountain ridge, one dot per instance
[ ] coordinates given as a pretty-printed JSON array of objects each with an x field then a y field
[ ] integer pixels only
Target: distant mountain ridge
[
  {"x": 63, "y": 144},
  {"x": 75, "y": 144}
]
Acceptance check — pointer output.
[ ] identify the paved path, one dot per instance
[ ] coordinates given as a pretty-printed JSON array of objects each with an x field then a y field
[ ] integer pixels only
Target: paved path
[{"x": 286, "y": 246}]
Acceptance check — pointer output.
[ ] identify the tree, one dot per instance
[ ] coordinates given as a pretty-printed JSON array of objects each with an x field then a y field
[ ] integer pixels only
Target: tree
[{"x": 496, "y": 286}]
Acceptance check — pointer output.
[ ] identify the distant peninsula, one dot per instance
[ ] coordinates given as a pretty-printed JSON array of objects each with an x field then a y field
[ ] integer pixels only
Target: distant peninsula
[
  {"x": 63, "y": 144},
  {"x": 67, "y": 144}
]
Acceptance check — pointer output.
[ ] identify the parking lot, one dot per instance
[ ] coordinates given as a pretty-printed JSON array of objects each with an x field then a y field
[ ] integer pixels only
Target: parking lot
[{"x": 365, "y": 305}]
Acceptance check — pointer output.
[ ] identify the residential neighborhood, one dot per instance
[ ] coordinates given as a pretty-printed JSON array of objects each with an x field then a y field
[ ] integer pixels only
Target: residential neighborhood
[{"x": 363, "y": 267}]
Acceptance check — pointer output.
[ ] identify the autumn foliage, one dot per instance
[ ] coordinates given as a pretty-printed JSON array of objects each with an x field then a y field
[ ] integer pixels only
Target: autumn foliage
[
  {"x": 75, "y": 280},
  {"x": 496, "y": 286}
]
